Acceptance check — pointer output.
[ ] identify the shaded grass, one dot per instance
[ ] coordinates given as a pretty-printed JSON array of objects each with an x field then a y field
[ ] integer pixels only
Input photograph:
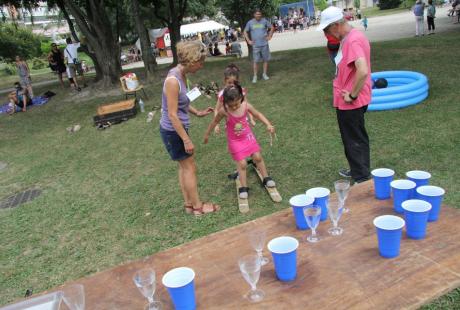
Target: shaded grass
[
  {"x": 112, "y": 196},
  {"x": 376, "y": 11}
]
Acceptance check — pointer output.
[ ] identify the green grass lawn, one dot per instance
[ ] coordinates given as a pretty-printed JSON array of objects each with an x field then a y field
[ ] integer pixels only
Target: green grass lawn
[
  {"x": 112, "y": 196},
  {"x": 376, "y": 11}
]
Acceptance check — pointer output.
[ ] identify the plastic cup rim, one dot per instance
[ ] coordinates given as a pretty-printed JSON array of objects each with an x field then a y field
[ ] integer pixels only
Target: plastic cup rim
[
  {"x": 271, "y": 244},
  {"x": 301, "y": 200},
  {"x": 383, "y": 172},
  {"x": 403, "y": 184},
  {"x": 418, "y": 174},
  {"x": 427, "y": 190},
  {"x": 318, "y": 192},
  {"x": 396, "y": 224},
  {"x": 173, "y": 272},
  {"x": 416, "y": 205}
]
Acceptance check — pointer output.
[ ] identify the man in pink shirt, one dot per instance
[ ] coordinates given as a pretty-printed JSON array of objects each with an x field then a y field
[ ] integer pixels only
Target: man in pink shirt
[{"x": 352, "y": 91}]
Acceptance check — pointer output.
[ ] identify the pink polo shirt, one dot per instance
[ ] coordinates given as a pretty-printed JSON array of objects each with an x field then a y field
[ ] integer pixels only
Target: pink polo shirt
[{"x": 353, "y": 46}]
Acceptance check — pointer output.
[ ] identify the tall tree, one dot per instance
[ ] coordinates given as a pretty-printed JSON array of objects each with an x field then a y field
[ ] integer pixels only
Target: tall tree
[
  {"x": 92, "y": 19},
  {"x": 147, "y": 55},
  {"x": 172, "y": 12}
]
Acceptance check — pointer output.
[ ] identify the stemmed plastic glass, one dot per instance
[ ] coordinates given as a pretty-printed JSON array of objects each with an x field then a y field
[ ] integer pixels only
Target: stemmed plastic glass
[
  {"x": 250, "y": 268},
  {"x": 342, "y": 188},
  {"x": 335, "y": 210},
  {"x": 257, "y": 240},
  {"x": 312, "y": 215},
  {"x": 74, "y": 296},
  {"x": 145, "y": 282}
]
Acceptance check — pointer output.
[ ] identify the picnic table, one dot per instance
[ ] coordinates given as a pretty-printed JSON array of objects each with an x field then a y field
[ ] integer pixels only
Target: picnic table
[{"x": 339, "y": 272}]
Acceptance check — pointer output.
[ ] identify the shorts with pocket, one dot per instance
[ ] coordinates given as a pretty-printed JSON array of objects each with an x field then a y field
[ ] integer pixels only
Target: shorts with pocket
[
  {"x": 261, "y": 53},
  {"x": 174, "y": 144},
  {"x": 73, "y": 69}
]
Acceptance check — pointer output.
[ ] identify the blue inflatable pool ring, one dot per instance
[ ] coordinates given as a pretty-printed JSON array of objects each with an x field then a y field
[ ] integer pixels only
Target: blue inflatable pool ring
[{"x": 405, "y": 88}]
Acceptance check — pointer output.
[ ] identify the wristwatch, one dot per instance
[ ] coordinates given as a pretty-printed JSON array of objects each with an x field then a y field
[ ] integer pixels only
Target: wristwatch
[{"x": 353, "y": 98}]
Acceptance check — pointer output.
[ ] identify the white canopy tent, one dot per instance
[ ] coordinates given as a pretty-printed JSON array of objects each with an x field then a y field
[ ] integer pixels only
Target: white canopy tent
[{"x": 195, "y": 28}]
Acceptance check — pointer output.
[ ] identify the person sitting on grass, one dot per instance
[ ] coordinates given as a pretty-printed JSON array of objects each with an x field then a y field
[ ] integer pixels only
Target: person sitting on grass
[
  {"x": 216, "y": 51},
  {"x": 19, "y": 99},
  {"x": 241, "y": 141}
]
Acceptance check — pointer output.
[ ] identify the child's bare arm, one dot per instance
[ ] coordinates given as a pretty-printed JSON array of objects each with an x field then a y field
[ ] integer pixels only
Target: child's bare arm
[
  {"x": 219, "y": 106},
  {"x": 261, "y": 117},
  {"x": 217, "y": 118}
]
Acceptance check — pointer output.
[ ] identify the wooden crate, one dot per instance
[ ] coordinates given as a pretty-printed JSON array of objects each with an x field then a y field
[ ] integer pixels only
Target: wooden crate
[{"x": 116, "y": 107}]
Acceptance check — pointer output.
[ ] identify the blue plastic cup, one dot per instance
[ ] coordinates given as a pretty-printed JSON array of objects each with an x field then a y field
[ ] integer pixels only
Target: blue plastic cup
[
  {"x": 419, "y": 177},
  {"x": 416, "y": 215},
  {"x": 297, "y": 203},
  {"x": 321, "y": 196},
  {"x": 433, "y": 195},
  {"x": 284, "y": 253},
  {"x": 389, "y": 232},
  {"x": 402, "y": 190},
  {"x": 382, "y": 179},
  {"x": 181, "y": 287}
]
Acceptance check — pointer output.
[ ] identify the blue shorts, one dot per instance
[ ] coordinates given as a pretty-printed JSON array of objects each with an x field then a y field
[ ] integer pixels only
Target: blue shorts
[
  {"x": 174, "y": 144},
  {"x": 261, "y": 53}
]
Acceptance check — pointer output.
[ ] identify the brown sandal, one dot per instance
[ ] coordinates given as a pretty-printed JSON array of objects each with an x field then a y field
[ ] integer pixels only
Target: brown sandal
[
  {"x": 188, "y": 209},
  {"x": 201, "y": 211}
]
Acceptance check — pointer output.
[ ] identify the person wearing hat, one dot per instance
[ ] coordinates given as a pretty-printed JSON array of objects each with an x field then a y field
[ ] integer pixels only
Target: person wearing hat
[{"x": 352, "y": 91}]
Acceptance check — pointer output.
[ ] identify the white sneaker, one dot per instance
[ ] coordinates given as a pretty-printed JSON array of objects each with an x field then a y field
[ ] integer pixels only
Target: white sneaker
[
  {"x": 254, "y": 79},
  {"x": 265, "y": 77}
]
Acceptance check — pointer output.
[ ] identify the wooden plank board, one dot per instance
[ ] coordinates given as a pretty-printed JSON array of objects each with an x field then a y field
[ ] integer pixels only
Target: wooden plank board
[
  {"x": 116, "y": 107},
  {"x": 243, "y": 204},
  {"x": 272, "y": 191},
  {"x": 337, "y": 273}
]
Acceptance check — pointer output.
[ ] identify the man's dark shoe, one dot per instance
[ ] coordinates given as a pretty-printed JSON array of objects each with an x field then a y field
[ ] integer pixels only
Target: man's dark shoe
[{"x": 346, "y": 173}]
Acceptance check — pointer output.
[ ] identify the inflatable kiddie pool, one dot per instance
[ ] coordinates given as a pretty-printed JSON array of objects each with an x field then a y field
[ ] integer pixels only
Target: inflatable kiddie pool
[{"x": 405, "y": 88}]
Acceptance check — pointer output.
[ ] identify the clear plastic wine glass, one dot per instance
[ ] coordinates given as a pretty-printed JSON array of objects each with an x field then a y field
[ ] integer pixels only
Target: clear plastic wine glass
[
  {"x": 250, "y": 268},
  {"x": 257, "y": 240},
  {"x": 144, "y": 279},
  {"x": 74, "y": 296},
  {"x": 312, "y": 215},
  {"x": 335, "y": 210},
  {"x": 342, "y": 188}
]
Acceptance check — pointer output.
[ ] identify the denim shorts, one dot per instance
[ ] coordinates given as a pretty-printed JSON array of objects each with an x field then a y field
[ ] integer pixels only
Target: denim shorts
[
  {"x": 174, "y": 144},
  {"x": 261, "y": 53}
]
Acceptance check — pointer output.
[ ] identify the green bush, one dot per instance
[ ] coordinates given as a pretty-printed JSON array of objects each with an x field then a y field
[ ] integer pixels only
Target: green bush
[
  {"x": 389, "y": 4},
  {"x": 38, "y": 63},
  {"x": 9, "y": 69},
  {"x": 20, "y": 41}
]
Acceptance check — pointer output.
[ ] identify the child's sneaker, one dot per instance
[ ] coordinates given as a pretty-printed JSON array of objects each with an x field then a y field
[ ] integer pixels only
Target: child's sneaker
[
  {"x": 268, "y": 182},
  {"x": 243, "y": 192},
  {"x": 265, "y": 77},
  {"x": 254, "y": 79}
]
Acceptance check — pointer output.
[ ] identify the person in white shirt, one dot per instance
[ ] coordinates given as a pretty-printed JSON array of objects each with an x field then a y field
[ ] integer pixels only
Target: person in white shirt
[{"x": 73, "y": 63}]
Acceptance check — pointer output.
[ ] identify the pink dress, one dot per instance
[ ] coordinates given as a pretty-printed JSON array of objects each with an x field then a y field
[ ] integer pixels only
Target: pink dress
[{"x": 241, "y": 141}]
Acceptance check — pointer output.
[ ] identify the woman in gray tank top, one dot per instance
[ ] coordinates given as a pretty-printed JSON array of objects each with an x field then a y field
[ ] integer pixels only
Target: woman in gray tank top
[
  {"x": 175, "y": 122},
  {"x": 24, "y": 75}
]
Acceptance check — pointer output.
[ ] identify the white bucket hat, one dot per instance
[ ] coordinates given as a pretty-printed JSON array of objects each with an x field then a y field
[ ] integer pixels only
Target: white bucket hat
[{"x": 330, "y": 15}]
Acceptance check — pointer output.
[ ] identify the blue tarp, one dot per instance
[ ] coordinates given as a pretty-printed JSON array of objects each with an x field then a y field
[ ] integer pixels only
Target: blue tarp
[{"x": 308, "y": 7}]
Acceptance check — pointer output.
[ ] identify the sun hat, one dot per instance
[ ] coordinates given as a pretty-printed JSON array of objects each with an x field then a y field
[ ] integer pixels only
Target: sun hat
[{"x": 330, "y": 15}]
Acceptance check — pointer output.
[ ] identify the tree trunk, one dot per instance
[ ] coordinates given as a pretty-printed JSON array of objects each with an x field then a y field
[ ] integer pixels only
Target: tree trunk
[
  {"x": 150, "y": 62},
  {"x": 174, "y": 31},
  {"x": 96, "y": 27}
]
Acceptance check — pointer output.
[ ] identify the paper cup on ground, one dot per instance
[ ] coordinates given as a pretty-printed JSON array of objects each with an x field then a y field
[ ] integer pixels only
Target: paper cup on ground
[
  {"x": 416, "y": 215},
  {"x": 402, "y": 190},
  {"x": 298, "y": 203},
  {"x": 382, "y": 179},
  {"x": 321, "y": 196},
  {"x": 284, "y": 253},
  {"x": 419, "y": 177},
  {"x": 433, "y": 195},
  {"x": 181, "y": 287},
  {"x": 389, "y": 231}
]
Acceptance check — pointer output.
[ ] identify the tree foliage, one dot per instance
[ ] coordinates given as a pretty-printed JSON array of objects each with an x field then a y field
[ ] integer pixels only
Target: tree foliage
[
  {"x": 18, "y": 41},
  {"x": 321, "y": 4},
  {"x": 242, "y": 11},
  {"x": 389, "y": 4}
]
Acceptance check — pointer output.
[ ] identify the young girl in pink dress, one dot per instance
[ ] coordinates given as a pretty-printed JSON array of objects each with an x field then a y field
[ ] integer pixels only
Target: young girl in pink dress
[{"x": 241, "y": 141}]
